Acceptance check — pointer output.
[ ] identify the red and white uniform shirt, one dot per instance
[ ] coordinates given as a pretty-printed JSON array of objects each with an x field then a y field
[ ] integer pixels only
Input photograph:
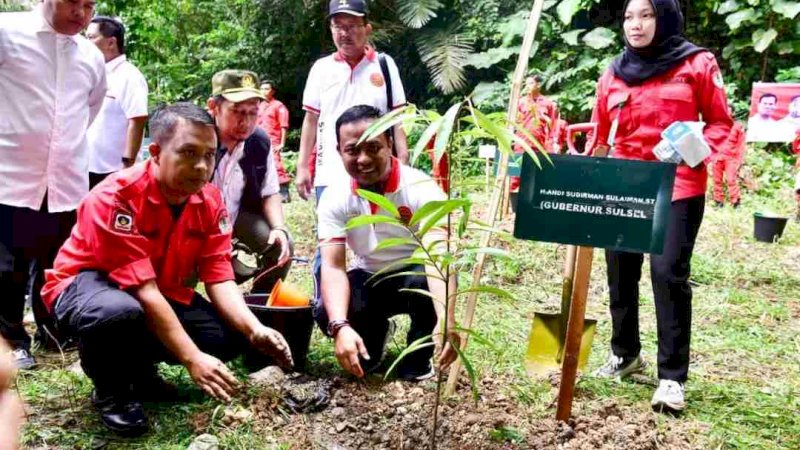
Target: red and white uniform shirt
[
  {"x": 332, "y": 87},
  {"x": 692, "y": 91},
  {"x": 126, "y": 229},
  {"x": 273, "y": 118},
  {"x": 539, "y": 116},
  {"x": 407, "y": 188}
]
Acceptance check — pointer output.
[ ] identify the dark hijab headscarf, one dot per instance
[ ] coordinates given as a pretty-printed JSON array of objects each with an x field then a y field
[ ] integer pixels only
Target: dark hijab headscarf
[{"x": 668, "y": 49}]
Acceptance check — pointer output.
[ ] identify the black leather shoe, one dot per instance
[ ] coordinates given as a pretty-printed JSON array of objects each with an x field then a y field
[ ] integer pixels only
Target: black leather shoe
[{"x": 122, "y": 416}]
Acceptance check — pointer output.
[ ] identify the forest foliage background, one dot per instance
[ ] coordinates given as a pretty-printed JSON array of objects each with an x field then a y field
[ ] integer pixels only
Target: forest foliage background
[{"x": 445, "y": 48}]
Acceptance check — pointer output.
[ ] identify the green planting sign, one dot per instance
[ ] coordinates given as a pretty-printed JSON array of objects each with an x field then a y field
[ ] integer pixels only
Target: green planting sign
[{"x": 597, "y": 202}]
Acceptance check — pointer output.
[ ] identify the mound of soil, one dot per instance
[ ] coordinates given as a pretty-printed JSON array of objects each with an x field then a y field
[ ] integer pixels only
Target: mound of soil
[{"x": 397, "y": 415}]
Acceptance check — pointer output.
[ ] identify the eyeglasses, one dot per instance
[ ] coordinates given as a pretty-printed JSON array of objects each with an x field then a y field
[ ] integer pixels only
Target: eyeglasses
[{"x": 345, "y": 29}]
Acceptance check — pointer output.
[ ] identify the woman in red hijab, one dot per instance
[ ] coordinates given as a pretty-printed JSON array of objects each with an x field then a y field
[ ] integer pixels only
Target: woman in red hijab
[{"x": 658, "y": 79}]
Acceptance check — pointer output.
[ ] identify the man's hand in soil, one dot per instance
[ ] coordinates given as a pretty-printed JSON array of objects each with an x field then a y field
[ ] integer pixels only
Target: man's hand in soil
[
  {"x": 445, "y": 356},
  {"x": 348, "y": 346},
  {"x": 212, "y": 376},
  {"x": 272, "y": 343}
]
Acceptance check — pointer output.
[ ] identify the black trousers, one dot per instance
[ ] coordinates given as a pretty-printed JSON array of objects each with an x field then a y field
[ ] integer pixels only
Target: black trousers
[
  {"x": 669, "y": 273},
  {"x": 115, "y": 345},
  {"x": 29, "y": 242},
  {"x": 96, "y": 178},
  {"x": 371, "y": 306}
]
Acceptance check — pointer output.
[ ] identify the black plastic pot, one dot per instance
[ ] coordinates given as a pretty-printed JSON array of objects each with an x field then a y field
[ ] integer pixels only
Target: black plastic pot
[
  {"x": 767, "y": 228},
  {"x": 296, "y": 325}
]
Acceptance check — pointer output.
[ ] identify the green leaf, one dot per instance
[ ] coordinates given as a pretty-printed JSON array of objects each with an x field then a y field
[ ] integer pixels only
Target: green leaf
[
  {"x": 491, "y": 57},
  {"x": 599, "y": 38},
  {"x": 422, "y": 292},
  {"x": 425, "y": 138},
  {"x": 400, "y": 264},
  {"x": 571, "y": 37},
  {"x": 445, "y": 52},
  {"x": 376, "y": 280},
  {"x": 360, "y": 221},
  {"x": 444, "y": 132},
  {"x": 426, "y": 210},
  {"x": 394, "y": 242},
  {"x": 786, "y": 9},
  {"x": 727, "y": 7},
  {"x": 478, "y": 338},
  {"x": 473, "y": 377},
  {"x": 736, "y": 19},
  {"x": 485, "y": 91},
  {"x": 496, "y": 252},
  {"x": 378, "y": 199},
  {"x": 762, "y": 39},
  {"x": 389, "y": 120},
  {"x": 435, "y": 218},
  {"x": 488, "y": 290},
  {"x": 497, "y": 132},
  {"x": 567, "y": 9},
  {"x": 419, "y": 344},
  {"x": 417, "y": 13}
]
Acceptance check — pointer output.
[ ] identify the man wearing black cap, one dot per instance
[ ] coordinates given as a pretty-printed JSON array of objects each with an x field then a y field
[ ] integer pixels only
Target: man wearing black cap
[{"x": 355, "y": 75}]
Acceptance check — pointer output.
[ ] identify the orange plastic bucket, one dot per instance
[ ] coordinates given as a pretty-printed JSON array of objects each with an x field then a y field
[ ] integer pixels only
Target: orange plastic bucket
[{"x": 285, "y": 295}]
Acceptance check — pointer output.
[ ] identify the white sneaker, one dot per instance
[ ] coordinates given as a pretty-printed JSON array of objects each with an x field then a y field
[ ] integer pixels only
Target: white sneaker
[
  {"x": 618, "y": 367},
  {"x": 668, "y": 396}
]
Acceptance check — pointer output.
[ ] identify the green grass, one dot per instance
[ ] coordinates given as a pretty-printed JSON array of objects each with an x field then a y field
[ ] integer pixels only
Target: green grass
[{"x": 744, "y": 387}]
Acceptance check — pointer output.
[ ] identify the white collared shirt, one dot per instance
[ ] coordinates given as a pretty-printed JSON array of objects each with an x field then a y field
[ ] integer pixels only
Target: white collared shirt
[
  {"x": 126, "y": 98},
  {"x": 333, "y": 87},
  {"x": 230, "y": 179},
  {"x": 51, "y": 88},
  {"x": 407, "y": 188}
]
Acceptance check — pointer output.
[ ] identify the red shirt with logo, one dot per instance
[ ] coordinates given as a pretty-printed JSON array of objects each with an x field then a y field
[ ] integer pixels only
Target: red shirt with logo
[
  {"x": 692, "y": 91},
  {"x": 126, "y": 229}
]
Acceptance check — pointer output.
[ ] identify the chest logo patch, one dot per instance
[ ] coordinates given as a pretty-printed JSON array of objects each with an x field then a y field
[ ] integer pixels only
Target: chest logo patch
[
  {"x": 224, "y": 222},
  {"x": 376, "y": 79},
  {"x": 123, "y": 221},
  {"x": 405, "y": 214}
]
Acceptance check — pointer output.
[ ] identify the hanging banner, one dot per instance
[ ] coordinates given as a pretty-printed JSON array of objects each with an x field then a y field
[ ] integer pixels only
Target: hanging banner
[
  {"x": 596, "y": 202},
  {"x": 774, "y": 112}
]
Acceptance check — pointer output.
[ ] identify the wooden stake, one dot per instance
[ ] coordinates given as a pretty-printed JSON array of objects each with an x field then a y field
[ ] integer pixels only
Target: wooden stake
[
  {"x": 500, "y": 183},
  {"x": 572, "y": 346}
]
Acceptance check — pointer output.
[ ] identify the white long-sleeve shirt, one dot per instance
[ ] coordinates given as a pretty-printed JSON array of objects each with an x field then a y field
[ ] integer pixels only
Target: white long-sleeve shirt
[{"x": 51, "y": 88}]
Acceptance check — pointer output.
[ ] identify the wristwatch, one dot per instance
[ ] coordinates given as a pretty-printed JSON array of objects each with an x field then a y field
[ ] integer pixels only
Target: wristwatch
[
  {"x": 335, "y": 325},
  {"x": 130, "y": 161}
]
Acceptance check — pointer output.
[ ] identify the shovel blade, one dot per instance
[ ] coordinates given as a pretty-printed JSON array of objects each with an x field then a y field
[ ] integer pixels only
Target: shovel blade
[{"x": 546, "y": 343}]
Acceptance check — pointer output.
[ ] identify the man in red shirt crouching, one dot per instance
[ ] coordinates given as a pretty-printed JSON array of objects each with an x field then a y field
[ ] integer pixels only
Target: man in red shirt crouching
[{"x": 124, "y": 282}]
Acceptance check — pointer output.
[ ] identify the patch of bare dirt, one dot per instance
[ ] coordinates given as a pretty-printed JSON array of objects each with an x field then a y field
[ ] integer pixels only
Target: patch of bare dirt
[{"x": 397, "y": 416}]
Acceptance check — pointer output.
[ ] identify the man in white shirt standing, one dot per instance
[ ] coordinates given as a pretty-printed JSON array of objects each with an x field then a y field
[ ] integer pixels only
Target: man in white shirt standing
[
  {"x": 52, "y": 84},
  {"x": 116, "y": 136},
  {"x": 351, "y": 76}
]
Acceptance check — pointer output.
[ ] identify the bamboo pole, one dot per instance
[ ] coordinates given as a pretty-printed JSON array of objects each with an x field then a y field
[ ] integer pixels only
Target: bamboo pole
[
  {"x": 572, "y": 346},
  {"x": 500, "y": 183}
]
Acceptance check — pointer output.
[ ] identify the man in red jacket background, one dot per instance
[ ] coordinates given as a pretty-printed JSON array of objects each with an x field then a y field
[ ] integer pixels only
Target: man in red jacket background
[{"x": 726, "y": 165}]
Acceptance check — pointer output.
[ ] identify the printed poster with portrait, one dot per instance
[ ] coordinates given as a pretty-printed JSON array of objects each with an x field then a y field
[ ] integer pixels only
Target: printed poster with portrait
[{"x": 774, "y": 112}]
